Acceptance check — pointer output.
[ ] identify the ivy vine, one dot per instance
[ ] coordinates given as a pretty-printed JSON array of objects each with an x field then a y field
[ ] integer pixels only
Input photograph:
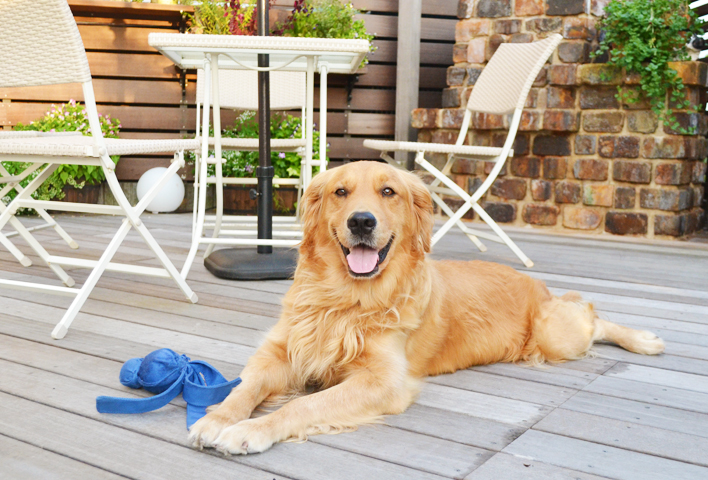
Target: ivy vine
[{"x": 643, "y": 36}]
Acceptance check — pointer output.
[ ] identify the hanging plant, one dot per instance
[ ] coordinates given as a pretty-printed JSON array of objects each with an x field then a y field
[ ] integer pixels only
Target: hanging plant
[{"x": 643, "y": 36}]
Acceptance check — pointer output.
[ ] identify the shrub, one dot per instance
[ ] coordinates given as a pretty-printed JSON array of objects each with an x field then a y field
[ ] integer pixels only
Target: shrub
[
  {"x": 69, "y": 117},
  {"x": 643, "y": 36}
]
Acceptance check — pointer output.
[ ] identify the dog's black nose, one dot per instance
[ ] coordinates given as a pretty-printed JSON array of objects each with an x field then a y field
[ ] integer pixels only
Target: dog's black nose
[{"x": 361, "y": 223}]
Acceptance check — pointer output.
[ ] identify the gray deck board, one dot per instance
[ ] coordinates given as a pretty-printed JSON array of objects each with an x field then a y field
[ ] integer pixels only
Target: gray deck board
[
  {"x": 627, "y": 435},
  {"x": 509, "y": 467},
  {"x": 599, "y": 459},
  {"x": 614, "y": 415},
  {"x": 22, "y": 460}
]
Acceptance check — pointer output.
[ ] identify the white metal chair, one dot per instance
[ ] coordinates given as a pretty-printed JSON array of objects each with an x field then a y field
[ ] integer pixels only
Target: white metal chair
[
  {"x": 43, "y": 47},
  {"x": 502, "y": 88},
  {"x": 11, "y": 183},
  {"x": 238, "y": 90}
]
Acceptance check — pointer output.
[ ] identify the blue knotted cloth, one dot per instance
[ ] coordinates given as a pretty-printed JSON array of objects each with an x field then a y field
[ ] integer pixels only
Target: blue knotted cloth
[{"x": 167, "y": 374}]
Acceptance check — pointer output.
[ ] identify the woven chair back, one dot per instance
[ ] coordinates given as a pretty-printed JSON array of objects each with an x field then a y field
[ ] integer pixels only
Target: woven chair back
[
  {"x": 41, "y": 44},
  {"x": 238, "y": 89},
  {"x": 505, "y": 82}
]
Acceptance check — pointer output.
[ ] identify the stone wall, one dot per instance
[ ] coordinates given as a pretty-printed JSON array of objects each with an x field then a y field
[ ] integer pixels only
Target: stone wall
[{"x": 582, "y": 160}]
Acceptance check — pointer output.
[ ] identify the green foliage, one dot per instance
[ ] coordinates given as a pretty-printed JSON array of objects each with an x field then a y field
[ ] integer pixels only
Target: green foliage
[
  {"x": 209, "y": 18},
  {"x": 643, "y": 36},
  {"x": 326, "y": 19},
  {"x": 243, "y": 164},
  {"x": 69, "y": 117},
  {"x": 309, "y": 18}
]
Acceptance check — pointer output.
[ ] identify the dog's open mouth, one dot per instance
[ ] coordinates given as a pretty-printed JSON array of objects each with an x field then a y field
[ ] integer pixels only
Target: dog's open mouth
[{"x": 363, "y": 260}]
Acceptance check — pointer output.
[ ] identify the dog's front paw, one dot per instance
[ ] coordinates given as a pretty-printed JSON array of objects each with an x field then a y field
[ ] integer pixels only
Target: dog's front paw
[
  {"x": 207, "y": 429},
  {"x": 249, "y": 436}
]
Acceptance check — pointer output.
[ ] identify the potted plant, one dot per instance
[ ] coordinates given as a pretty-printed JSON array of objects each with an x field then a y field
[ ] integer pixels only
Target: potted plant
[
  {"x": 242, "y": 164},
  {"x": 308, "y": 18},
  {"x": 642, "y": 37},
  {"x": 73, "y": 183}
]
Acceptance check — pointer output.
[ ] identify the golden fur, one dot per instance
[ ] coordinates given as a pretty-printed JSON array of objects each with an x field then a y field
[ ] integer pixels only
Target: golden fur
[{"x": 366, "y": 342}]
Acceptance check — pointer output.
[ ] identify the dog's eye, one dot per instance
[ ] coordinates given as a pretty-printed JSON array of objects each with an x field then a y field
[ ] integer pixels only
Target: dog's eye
[
  {"x": 340, "y": 192},
  {"x": 387, "y": 192}
]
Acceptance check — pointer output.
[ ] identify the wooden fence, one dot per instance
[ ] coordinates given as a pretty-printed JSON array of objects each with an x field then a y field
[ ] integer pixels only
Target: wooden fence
[{"x": 154, "y": 99}]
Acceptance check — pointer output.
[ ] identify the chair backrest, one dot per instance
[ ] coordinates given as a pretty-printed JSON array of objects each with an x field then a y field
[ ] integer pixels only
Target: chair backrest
[
  {"x": 41, "y": 44},
  {"x": 238, "y": 89},
  {"x": 506, "y": 80}
]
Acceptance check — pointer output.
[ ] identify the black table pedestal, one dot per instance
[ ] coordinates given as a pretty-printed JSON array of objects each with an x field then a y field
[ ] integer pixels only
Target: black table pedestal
[{"x": 245, "y": 264}]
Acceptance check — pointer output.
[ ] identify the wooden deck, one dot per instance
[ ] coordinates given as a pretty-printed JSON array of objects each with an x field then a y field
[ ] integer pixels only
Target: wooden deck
[{"x": 618, "y": 415}]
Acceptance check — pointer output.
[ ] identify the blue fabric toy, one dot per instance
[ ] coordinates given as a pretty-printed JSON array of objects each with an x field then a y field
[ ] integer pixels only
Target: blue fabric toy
[{"x": 168, "y": 374}]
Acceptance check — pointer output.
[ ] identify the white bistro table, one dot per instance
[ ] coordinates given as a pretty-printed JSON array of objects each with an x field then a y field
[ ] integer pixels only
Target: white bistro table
[{"x": 214, "y": 52}]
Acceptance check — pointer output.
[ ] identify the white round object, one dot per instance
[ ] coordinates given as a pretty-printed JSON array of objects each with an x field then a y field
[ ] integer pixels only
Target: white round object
[{"x": 169, "y": 198}]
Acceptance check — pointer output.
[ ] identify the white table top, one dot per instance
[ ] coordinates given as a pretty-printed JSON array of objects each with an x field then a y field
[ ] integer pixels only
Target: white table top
[{"x": 240, "y": 51}]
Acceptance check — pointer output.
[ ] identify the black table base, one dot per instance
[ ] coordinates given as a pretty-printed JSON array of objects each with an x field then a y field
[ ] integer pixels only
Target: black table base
[{"x": 246, "y": 264}]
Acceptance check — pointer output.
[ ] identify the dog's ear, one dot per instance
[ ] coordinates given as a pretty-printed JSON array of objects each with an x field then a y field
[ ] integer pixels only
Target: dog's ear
[
  {"x": 311, "y": 204},
  {"x": 422, "y": 213}
]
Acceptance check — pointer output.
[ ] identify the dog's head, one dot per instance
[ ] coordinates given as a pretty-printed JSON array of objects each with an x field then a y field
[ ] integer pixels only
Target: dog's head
[{"x": 364, "y": 216}]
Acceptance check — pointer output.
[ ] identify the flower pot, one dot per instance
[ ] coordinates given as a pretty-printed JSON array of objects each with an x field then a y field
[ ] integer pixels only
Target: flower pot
[
  {"x": 237, "y": 200},
  {"x": 88, "y": 194}
]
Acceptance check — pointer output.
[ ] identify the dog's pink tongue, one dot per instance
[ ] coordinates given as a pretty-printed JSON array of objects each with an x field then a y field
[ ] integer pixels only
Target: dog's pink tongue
[{"x": 362, "y": 259}]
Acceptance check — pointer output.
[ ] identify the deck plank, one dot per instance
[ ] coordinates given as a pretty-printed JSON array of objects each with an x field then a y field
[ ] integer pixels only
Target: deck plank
[
  {"x": 481, "y": 405},
  {"x": 600, "y": 459},
  {"x": 629, "y": 436},
  {"x": 642, "y": 413},
  {"x": 510, "y": 467},
  {"x": 654, "y": 394},
  {"x": 457, "y": 427},
  {"x": 657, "y": 376},
  {"x": 505, "y": 387},
  {"x": 20, "y": 460},
  {"x": 106, "y": 446}
]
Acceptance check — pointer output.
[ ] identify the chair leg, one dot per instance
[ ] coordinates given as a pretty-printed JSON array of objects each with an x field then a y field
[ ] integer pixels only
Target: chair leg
[
  {"x": 488, "y": 220},
  {"x": 199, "y": 225},
  {"x": 166, "y": 263},
  {"x": 133, "y": 214},
  {"x": 219, "y": 208},
  {"x": 63, "y": 326},
  {"x": 57, "y": 228},
  {"x": 8, "y": 216},
  {"x": 42, "y": 213},
  {"x": 448, "y": 211},
  {"x": 24, "y": 260},
  {"x": 469, "y": 203}
]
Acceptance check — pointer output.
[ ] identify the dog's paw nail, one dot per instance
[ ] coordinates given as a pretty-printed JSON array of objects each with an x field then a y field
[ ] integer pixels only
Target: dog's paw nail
[{"x": 244, "y": 446}]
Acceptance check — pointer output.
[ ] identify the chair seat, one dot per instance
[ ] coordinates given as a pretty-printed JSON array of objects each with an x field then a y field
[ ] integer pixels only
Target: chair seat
[
  {"x": 277, "y": 144},
  {"x": 388, "y": 145},
  {"x": 83, "y": 146}
]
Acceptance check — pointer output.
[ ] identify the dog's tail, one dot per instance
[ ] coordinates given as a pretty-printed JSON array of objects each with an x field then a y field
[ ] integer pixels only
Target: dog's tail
[
  {"x": 637, "y": 341},
  {"x": 566, "y": 328}
]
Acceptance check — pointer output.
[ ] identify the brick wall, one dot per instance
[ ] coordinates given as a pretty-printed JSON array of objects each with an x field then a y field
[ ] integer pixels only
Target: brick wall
[{"x": 583, "y": 161}]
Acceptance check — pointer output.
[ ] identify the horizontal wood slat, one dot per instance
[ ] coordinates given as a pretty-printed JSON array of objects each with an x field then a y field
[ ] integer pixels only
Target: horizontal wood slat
[
  {"x": 107, "y": 90},
  {"x": 430, "y": 53},
  {"x": 133, "y": 66},
  {"x": 430, "y": 28},
  {"x": 121, "y": 38},
  {"x": 132, "y": 168},
  {"x": 385, "y": 76}
]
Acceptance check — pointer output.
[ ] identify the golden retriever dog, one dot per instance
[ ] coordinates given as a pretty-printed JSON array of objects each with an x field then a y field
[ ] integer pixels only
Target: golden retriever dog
[{"x": 369, "y": 316}]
